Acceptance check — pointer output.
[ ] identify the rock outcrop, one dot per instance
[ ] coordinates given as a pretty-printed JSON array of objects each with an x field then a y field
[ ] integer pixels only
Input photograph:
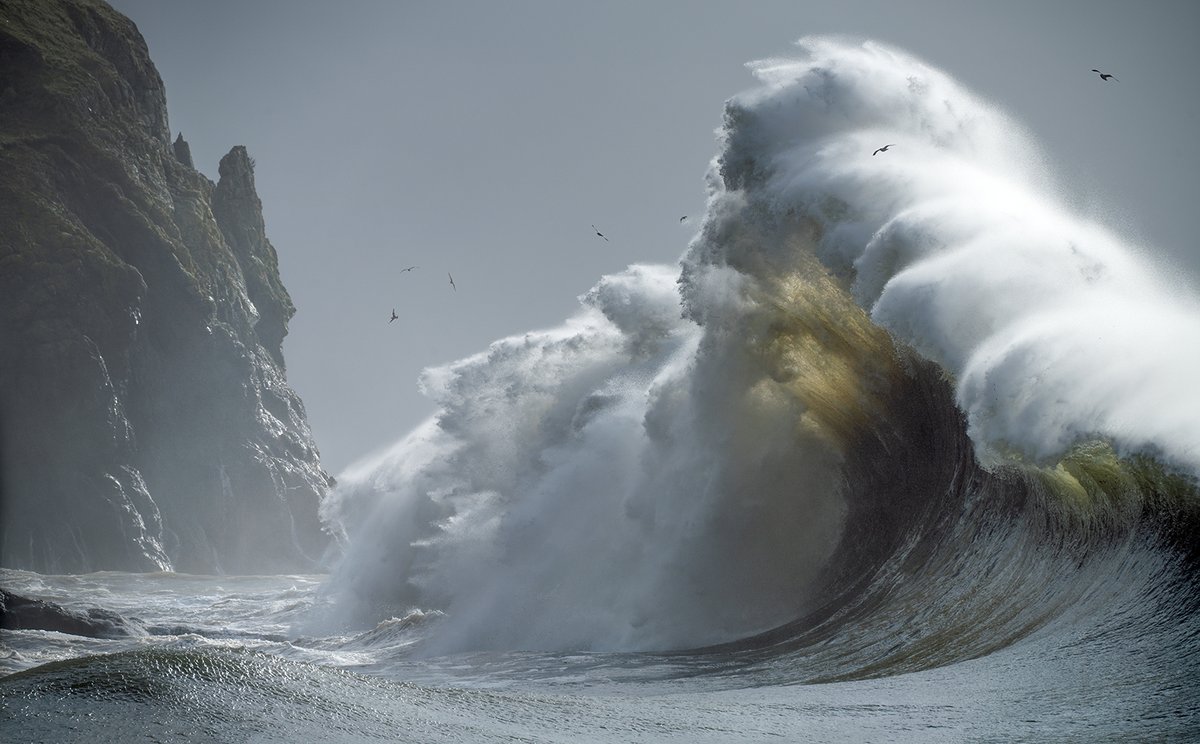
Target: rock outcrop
[
  {"x": 146, "y": 422},
  {"x": 25, "y": 613}
]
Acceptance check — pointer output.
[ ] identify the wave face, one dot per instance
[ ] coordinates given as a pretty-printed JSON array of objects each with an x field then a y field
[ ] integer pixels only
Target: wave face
[{"x": 890, "y": 412}]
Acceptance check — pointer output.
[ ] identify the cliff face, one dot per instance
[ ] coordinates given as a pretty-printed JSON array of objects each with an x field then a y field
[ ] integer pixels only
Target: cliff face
[{"x": 145, "y": 417}]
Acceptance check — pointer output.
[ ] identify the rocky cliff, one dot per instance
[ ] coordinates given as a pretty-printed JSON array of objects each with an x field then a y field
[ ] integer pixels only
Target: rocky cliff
[{"x": 145, "y": 417}]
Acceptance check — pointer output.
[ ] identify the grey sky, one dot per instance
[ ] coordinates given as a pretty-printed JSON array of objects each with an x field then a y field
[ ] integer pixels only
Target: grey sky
[{"x": 485, "y": 138}]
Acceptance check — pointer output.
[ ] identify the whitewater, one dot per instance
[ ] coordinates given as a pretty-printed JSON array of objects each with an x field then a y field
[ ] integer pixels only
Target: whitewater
[{"x": 901, "y": 449}]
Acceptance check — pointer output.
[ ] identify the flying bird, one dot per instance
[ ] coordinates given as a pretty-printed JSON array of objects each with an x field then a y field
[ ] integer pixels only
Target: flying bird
[
  {"x": 394, "y": 316},
  {"x": 410, "y": 268},
  {"x": 600, "y": 233},
  {"x": 1104, "y": 75},
  {"x": 882, "y": 149},
  {"x": 681, "y": 219},
  {"x": 452, "y": 284}
]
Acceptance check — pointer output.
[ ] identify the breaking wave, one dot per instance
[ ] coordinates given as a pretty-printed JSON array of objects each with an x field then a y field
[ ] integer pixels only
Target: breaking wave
[{"x": 889, "y": 412}]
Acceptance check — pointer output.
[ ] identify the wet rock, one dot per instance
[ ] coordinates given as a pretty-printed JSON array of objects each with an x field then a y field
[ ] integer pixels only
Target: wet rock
[{"x": 23, "y": 613}]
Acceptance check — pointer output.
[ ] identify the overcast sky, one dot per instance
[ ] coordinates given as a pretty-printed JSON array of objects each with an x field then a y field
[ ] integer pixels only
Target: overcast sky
[{"x": 484, "y": 139}]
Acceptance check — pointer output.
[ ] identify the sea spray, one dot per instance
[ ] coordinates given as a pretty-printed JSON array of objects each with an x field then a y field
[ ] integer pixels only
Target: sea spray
[
  {"x": 954, "y": 241},
  {"x": 577, "y": 479},
  {"x": 855, "y": 348}
]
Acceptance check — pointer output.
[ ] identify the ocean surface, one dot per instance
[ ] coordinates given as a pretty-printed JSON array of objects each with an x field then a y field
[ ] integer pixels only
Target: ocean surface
[
  {"x": 903, "y": 449},
  {"x": 1106, "y": 653}
]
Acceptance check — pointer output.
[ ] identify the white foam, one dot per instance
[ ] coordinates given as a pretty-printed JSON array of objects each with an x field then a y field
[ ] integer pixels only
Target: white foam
[
  {"x": 635, "y": 479},
  {"x": 1053, "y": 327},
  {"x": 606, "y": 484}
]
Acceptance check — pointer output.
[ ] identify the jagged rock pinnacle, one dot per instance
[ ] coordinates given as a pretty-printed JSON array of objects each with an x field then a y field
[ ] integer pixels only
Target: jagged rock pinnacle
[{"x": 183, "y": 152}]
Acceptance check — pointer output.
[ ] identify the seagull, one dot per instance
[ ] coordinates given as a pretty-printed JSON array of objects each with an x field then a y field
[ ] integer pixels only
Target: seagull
[
  {"x": 410, "y": 268},
  {"x": 1104, "y": 75},
  {"x": 882, "y": 149},
  {"x": 681, "y": 219},
  {"x": 452, "y": 285},
  {"x": 394, "y": 316},
  {"x": 599, "y": 233}
]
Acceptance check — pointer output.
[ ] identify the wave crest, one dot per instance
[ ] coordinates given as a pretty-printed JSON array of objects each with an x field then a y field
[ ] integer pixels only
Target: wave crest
[{"x": 862, "y": 361}]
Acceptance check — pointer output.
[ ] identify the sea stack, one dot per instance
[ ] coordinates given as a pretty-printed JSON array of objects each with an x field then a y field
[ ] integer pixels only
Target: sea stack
[{"x": 146, "y": 422}]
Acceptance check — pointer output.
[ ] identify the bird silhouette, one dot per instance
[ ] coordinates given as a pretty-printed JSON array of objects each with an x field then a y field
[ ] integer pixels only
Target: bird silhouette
[
  {"x": 600, "y": 234},
  {"x": 452, "y": 284},
  {"x": 882, "y": 149},
  {"x": 681, "y": 219},
  {"x": 410, "y": 268},
  {"x": 394, "y": 316},
  {"x": 1104, "y": 75}
]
